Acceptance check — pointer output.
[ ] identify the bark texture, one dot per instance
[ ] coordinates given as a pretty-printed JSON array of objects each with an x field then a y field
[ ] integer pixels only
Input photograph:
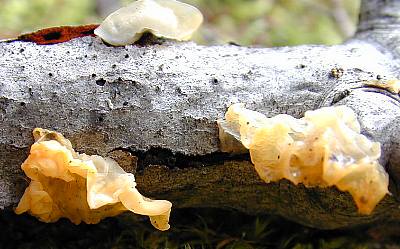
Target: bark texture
[{"x": 158, "y": 104}]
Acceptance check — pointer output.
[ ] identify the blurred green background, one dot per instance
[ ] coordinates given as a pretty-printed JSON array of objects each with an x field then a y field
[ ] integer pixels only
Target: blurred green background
[{"x": 246, "y": 22}]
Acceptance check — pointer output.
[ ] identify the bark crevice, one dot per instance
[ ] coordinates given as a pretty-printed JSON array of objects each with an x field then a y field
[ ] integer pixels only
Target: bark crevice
[{"x": 166, "y": 157}]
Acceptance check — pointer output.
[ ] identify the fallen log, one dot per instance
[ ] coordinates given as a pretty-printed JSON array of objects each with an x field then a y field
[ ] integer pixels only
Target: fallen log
[{"x": 154, "y": 108}]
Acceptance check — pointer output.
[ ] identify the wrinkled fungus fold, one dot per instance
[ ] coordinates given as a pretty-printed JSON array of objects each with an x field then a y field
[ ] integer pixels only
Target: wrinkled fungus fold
[
  {"x": 81, "y": 187},
  {"x": 324, "y": 148},
  {"x": 391, "y": 85}
]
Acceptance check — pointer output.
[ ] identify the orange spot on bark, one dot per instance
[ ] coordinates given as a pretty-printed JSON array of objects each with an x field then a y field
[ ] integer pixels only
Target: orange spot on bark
[{"x": 58, "y": 34}]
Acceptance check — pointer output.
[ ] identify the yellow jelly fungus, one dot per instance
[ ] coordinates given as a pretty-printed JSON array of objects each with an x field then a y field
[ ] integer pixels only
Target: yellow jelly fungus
[
  {"x": 392, "y": 85},
  {"x": 163, "y": 18},
  {"x": 80, "y": 187},
  {"x": 324, "y": 148}
]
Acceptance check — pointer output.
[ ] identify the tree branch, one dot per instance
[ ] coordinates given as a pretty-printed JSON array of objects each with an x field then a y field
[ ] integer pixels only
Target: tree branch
[
  {"x": 379, "y": 15},
  {"x": 380, "y": 23},
  {"x": 160, "y": 103}
]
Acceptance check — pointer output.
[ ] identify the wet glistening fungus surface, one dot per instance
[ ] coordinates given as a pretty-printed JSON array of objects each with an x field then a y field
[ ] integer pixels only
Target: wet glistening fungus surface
[
  {"x": 81, "y": 187},
  {"x": 163, "y": 18},
  {"x": 324, "y": 148}
]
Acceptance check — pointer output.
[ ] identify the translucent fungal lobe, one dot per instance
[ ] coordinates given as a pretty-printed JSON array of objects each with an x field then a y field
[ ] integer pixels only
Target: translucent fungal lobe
[
  {"x": 163, "y": 18},
  {"x": 80, "y": 187},
  {"x": 324, "y": 148}
]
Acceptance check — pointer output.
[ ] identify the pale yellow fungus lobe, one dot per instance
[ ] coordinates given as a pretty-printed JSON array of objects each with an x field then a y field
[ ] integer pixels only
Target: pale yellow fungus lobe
[
  {"x": 324, "y": 148},
  {"x": 392, "y": 85},
  {"x": 80, "y": 187},
  {"x": 163, "y": 18}
]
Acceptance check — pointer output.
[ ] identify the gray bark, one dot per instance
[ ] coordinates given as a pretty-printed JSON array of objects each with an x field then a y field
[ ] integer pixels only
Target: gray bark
[{"x": 160, "y": 103}]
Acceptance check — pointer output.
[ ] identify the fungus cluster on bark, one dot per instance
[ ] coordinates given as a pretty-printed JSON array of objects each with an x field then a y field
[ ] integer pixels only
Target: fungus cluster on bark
[
  {"x": 324, "y": 148},
  {"x": 81, "y": 187}
]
